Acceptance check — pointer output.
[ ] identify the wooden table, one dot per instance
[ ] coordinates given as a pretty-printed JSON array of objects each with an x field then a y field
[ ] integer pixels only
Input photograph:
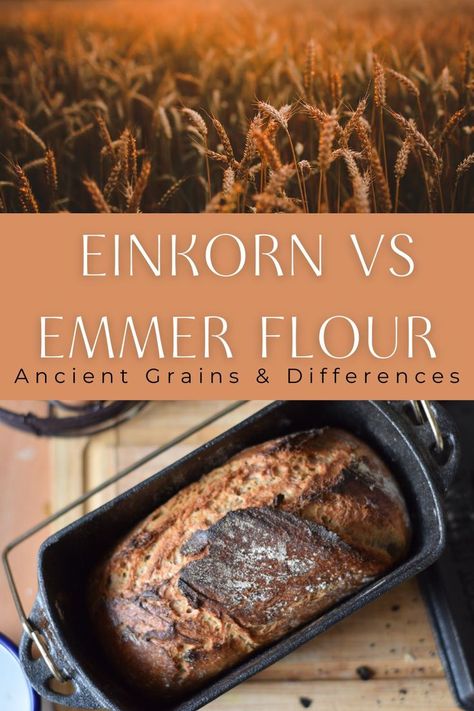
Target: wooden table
[{"x": 391, "y": 637}]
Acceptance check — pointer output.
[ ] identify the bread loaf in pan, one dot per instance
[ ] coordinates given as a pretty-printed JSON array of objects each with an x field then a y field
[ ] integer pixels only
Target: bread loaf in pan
[{"x": 234, "y": 561}]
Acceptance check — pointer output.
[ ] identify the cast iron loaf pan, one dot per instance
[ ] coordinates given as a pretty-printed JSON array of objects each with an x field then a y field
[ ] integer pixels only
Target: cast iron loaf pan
[
  {"x": 449, "y": 584},
  {"x": 67, "y": 558}
]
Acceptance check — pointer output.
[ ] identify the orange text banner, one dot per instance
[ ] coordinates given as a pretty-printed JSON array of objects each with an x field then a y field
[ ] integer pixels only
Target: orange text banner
[{"x": 236, "y": 306}]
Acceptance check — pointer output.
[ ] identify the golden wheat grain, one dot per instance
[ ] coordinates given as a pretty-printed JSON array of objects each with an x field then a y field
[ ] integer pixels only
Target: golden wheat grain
[
  {"x": 451, "y": 125},
  {"x": 409, "y": 85},
  {"x": 266, "y": 149},
  {"x": 250, "y": 150},
  {"x": 51, "y": 172},
  {"x": 105, "y": 134},
  {"x": 403, "y": 155},
  {"x": 351, "y": 164},
  {"x": 465, "y": 165},
  {"x": 147, "y": 102},
  {"x": 132, "y": 158},
  {"x": 280, "y": 116},
  {"x": 25, "y": 193},
  {"x": 382, "y": 197},
  {"x": 140, "y": 187},
  {"x": 380, "y": 95},
  {"x": 351, "y": 124},
  {"x": 419, "y": 139},
  {"x": 446, "y": 82},
  {"x": 361, "y": 195},
  {"x": 225, "y": 140},
  {"x": 114, "y": 179},
  {"x": 96, "y": 196},
  {"x": 219, "y": 157},
  {"x": 335, "y": 87},
  {"x": 326, "y": 139},
  {"x": 228, "y": 180},
  {"x": 305, "y": 168},
  {"x": 317, "y": 114},
  {"x": 380, "y": 180},
  {"x": 196, "y": 120},
  {"x": 360, "y": 201}
]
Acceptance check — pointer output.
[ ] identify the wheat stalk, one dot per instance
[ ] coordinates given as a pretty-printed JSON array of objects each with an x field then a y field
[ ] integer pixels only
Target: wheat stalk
[
  {"x": 225, "y": 140},
  {"x": 219, "y": 157},
  {"x": 51, "y": 173},
  {"x": 280, "y": 116},
  {"x": 129, "y": 100},
  {"x": 97, "y": 198},
  {"x": 113, "y": 179},
  {"x": 409, "y": 85},
  {"x": 465, "y": 165},
  {"x": 104, "y": 134},
  {"x": 132, "y": 158},
  {"x": 401, "y": 165},
  {"x": 380, "y": 185},
  {"x": 25, "y": 193},
  {"x": 309, "y": 69},
  {"x": 250, "y": 150},
  {"x": 335, "y": 87},
  {"x": 228, "y": 180},
  {"x": 380, "y": 92},
  {"x": 361, "y": 195},
  {"x": 273, "y": 198},
  {"x": 196, "y": 120},
  {"x": 451, "y": 124},
  {"x": 266, "y": 149},
  {"x": 326, "y": 139},
  {"x": 351, "y": 124},
  {"x": 140, "y": 187},
  {"x": 173, "y": 190},
  {"x": 21, "y": 126}
]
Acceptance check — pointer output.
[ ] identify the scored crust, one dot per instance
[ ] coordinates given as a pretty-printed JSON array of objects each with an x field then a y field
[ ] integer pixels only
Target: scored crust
[{"x": 275, "y": 536}]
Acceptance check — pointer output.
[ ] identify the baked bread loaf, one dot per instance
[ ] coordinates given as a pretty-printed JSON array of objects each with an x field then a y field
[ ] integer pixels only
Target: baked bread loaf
[{"x": 252, "y": 550}]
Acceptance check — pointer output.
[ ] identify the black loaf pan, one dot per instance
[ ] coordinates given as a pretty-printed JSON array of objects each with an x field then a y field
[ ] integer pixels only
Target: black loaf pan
[
  {"x": 449, "y": 584},
  {"x": 67, "y": 557}
]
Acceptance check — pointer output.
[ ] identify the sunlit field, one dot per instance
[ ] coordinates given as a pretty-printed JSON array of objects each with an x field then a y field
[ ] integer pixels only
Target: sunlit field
[{"x": 195, "y": 106}]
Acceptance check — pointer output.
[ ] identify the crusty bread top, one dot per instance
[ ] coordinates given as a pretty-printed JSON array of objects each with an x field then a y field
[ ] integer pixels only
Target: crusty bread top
[{"x": 250, "y": 551}]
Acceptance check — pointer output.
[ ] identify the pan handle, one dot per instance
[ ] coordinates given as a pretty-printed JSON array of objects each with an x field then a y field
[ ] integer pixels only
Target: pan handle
[
  {"x": 433, "y": 428},
  {"x": 76, "y": 692}
]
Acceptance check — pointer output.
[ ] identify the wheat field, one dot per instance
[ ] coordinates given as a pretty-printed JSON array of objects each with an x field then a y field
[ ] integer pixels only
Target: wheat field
[{"x": 158, "y": 106}]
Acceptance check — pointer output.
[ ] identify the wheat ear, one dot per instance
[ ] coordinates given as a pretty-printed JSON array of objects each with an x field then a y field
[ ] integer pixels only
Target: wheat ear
[
  {"x": 95, "y": 193},
  {"x": 25, "y": 193}
]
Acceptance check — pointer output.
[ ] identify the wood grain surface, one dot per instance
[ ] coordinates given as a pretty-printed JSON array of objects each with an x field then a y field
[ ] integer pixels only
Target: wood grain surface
[{"x": 389, "y": 640}]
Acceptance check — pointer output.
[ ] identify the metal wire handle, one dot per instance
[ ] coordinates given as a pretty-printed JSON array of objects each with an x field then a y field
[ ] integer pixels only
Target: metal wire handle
[
  {"x": 423, "y": 412},
  {"x": 35, "y": 634},
  {"x": 93, "y": 417}
]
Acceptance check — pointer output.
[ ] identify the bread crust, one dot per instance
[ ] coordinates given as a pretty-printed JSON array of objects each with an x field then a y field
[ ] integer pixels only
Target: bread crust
[{"x": 232, "y": 562}]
